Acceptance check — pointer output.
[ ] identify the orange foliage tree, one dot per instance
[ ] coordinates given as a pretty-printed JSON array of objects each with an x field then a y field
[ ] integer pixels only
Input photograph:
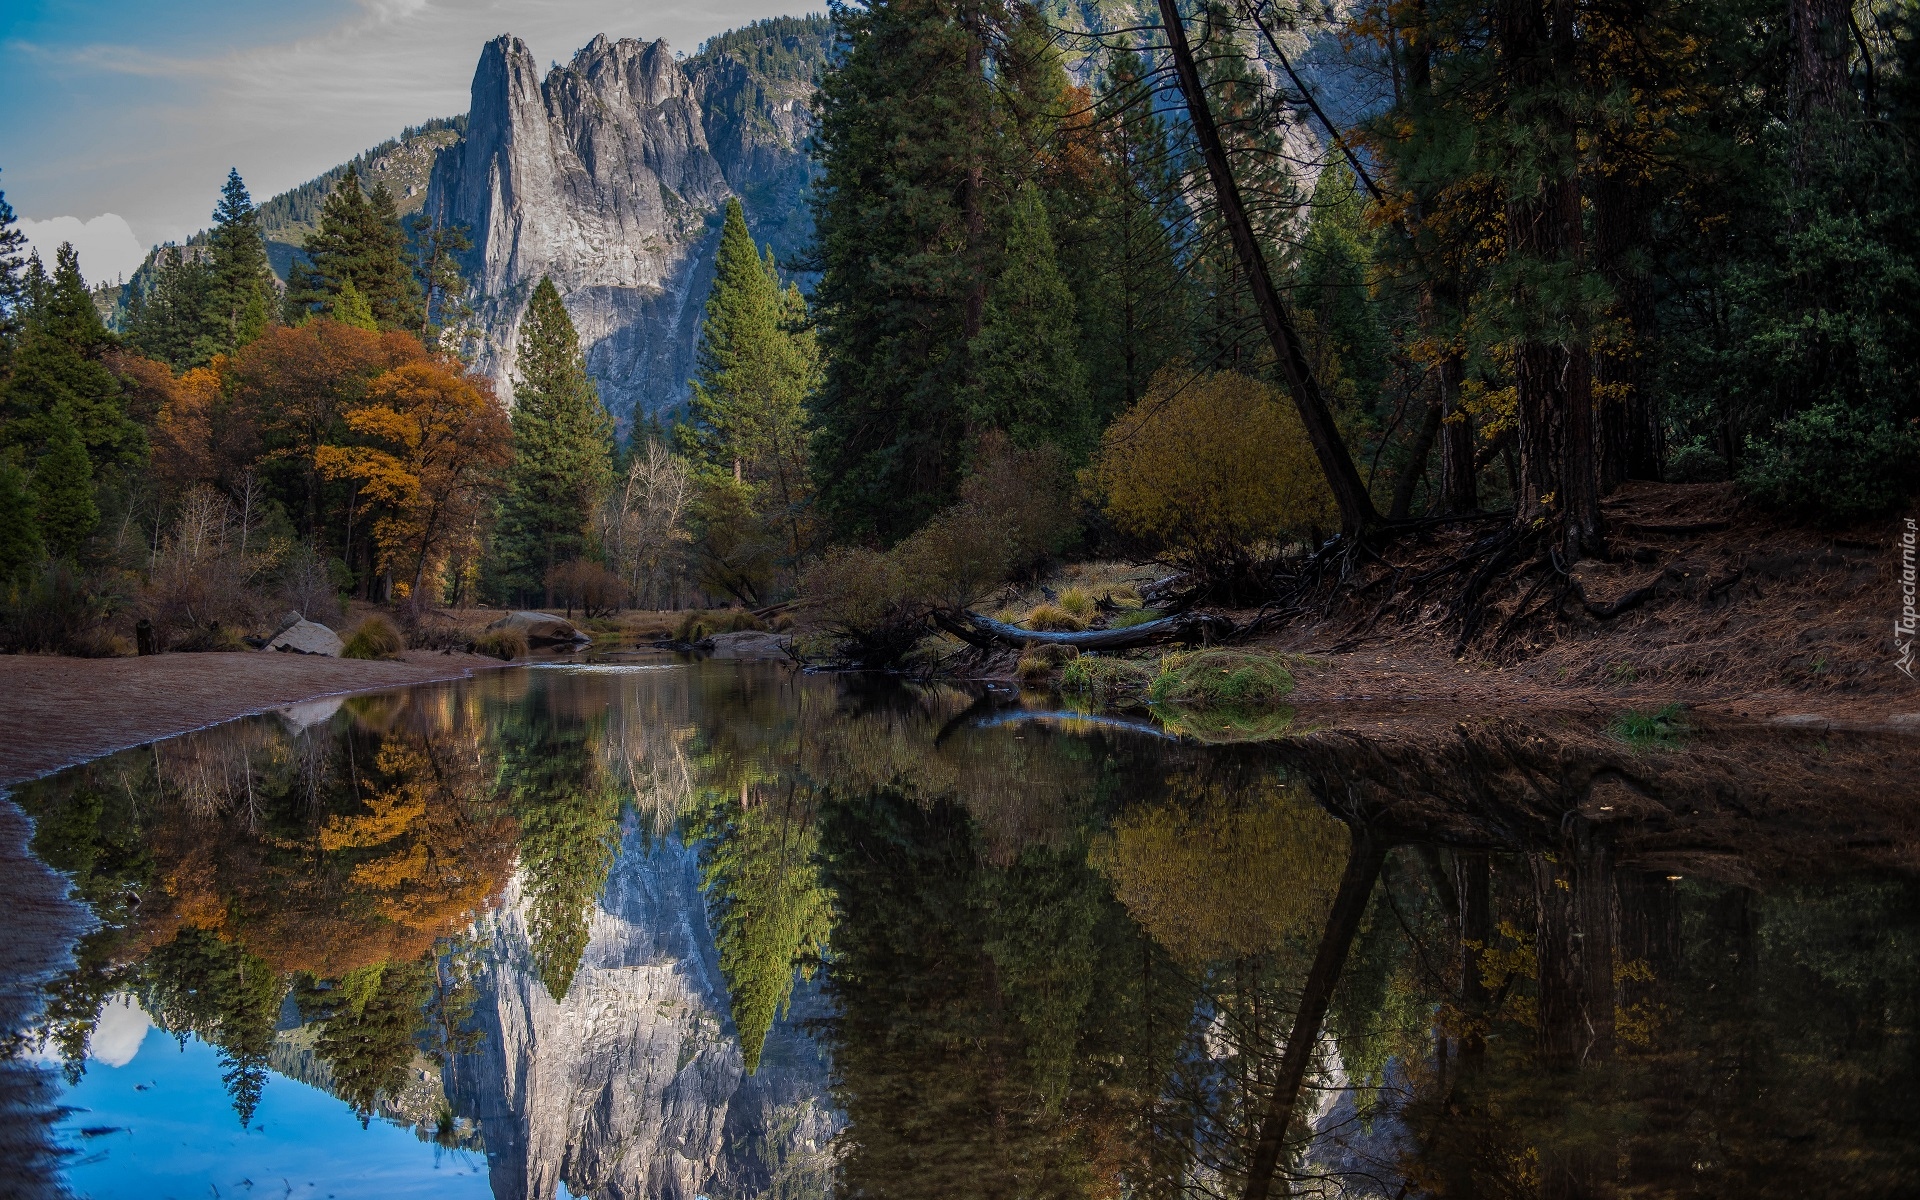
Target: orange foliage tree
[
  {"x": 298, "y": 383},
  {"x": 434, "y": 442}
]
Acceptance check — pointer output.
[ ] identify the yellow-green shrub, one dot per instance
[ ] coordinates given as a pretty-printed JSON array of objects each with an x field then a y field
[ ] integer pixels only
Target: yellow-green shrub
[
  {"x": 503, "y": 644},
  {"x": 1207, "y": 469},
  {"x": 375, "y": 637},
  {"x": 1055, "y": 618}
]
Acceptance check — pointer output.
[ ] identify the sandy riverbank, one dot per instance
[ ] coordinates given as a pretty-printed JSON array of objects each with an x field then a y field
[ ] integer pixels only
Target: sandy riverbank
[{"x": 56, "y": 712}]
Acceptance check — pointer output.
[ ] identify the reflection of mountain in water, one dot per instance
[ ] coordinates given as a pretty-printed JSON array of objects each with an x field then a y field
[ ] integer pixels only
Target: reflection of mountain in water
[{"x": 632, "y": 1085}]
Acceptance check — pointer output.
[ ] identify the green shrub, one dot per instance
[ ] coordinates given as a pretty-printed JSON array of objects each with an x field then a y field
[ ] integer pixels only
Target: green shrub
[
  {"x": 1835, "y": 462},
  {"x": 1220, "y": 677},
  {"x": 1662, "y": 729},
  {"x": 1134, "y": 616},
  {"x": 376, "y": 638},
  {"x": 1226, "y": 724},
  {"x": 503, "y": 644}
]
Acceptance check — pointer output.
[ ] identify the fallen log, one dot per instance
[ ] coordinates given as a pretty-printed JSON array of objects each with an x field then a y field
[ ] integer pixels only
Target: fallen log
[{"x": 987, "y": 633}]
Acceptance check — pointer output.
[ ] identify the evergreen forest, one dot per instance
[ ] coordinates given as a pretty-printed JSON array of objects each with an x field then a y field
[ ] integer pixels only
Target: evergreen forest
[{"x": 1218, "y": 285}]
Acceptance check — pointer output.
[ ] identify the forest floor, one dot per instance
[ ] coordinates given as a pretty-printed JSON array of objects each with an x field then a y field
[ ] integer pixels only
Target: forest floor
[{"x": 1742, "y": 615}]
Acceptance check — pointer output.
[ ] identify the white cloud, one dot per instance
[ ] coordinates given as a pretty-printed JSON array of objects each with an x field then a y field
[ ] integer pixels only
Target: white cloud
[{"x": 106, "y": 245}]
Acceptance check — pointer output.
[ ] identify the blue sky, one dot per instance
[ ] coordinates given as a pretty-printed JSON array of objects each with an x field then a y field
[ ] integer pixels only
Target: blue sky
[{"x": 122, "y": 116}]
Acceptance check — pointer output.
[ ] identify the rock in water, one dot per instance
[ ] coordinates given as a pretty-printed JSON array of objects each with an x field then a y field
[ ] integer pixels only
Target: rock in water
[
  {"x": 307, "y": 637},
  {"x": 541, "y": 629},
  {"x": 609, "y": 174}
]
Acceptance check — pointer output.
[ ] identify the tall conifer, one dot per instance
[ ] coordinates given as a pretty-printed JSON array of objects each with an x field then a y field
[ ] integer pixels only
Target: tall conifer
[
  {"x": 58, "y": 367},
  {"x": 1028, "y": 378},
  {"x": 360, "y": 240},
  {"x": 241, "y": 290},
  {"x": 13, "y": 282},
  {"x": 757, "y": 364},
  {"x": 63, "y": 487},
  {"x": 563, "y": 450},
  {"x": 20, "y": 541}
]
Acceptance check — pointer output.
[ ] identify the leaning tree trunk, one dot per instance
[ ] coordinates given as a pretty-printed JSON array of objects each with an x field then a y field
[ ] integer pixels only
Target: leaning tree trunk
[{"x": 1357, "y": 512}]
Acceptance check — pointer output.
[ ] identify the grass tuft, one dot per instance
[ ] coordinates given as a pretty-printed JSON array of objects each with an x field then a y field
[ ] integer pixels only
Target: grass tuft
[
  {"x": 376, "y": 637},
  {"x": 1220, "y": 677},
  {"x": 503, "y": 644},
  {"x": 1052, "y": 618},
  {"x": 1662, "y": 729},
  {"x": 1102, "y": 679}
]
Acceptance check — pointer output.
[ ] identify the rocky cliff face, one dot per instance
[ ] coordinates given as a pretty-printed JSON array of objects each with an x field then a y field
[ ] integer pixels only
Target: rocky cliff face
[
  {"x": 631, "y": 1085},
  {"x": 609, "y": 174}
]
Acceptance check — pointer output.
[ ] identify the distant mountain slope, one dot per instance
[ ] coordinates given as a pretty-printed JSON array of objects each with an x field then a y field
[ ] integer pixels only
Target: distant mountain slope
[{"x": 404, "y": 164}]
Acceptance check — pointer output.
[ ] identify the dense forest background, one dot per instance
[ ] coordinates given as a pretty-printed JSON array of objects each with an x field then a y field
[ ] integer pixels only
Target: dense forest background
[{"x": 1204, "y": 284}]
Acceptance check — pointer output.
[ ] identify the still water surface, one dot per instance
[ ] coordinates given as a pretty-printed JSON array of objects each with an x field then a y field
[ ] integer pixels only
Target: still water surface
[{"x": 680, "y": 930}]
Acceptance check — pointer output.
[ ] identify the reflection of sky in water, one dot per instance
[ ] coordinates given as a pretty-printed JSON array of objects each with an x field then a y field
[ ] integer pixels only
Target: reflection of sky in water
[{"x": 173, "y": 1132}]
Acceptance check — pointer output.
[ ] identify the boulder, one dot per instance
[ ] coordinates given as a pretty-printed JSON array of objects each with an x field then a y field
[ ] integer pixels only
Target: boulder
[
  {"x": 541, "y": 629},
  {"x": 307, "y": 637},
  {"x": 749, "y": 644}
]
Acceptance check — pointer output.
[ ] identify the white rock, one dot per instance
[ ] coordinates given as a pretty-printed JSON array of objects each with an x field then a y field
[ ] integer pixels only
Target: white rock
[
  {"x": 541, "y": 628},
  {"x": 307, "y": 637}
]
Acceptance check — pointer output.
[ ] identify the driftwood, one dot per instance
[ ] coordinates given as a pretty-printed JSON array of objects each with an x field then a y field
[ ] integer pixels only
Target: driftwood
[{"x": 986, "y": 633}]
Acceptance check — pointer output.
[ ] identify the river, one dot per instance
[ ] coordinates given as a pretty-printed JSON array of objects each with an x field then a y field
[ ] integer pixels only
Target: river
[{"x": 661, "y": 928}]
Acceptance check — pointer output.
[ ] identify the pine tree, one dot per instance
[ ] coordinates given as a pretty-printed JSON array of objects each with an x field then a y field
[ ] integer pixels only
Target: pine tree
[
  {"x": 1029, "y": 380},
  {"x": 167, "y": 319},
  {"x": 359, "y": 241},
  {"x": 563, "y": 449},
  {"x": 446, "y": 316},
  {"x": 757, "y": 364},
  {"x": 910, "y": 160},
  {"x": 1333, "y": 282},
  {"x": 20, "y": 542},
  {"x": 351, "y": 308},
  {"x": 1121, "y": 255},
  {"x": 13, "y": 283},
  {"x": 240, "y": 292},
  {"x": 58, "y": 367},
  {"x": 63, "y": 487}
]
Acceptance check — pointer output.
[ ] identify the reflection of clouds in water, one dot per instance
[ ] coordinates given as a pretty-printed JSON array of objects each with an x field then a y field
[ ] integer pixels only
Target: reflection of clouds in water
[
  {"x": 123, "y": 1026},
  {"x": 115, "y": 1039}
]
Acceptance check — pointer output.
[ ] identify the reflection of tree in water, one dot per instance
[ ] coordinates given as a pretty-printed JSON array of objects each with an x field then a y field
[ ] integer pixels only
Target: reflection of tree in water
[
  {"x": 998, "y": 1028},
  {"x": 569, "y": 816},
  {"x": 198, "y": 984},
  {"x": 768, "y": 912},
  {"x": 369, "y": 1020}
]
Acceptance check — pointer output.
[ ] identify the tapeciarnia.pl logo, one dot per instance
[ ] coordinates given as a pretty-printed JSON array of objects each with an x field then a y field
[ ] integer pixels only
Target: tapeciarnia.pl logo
[{"x": 1905, "y": 624}]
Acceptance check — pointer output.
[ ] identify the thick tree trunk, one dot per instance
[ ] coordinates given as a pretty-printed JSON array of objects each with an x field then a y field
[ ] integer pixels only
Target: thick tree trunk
[
  {"x": 1576, "y": 926},
  {"x": 1357, "y": 512},
  {"x": 1364, "y": 861},
  {"x": 1459, "y": 470},
  {"x": 1552, "y": 370}
]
